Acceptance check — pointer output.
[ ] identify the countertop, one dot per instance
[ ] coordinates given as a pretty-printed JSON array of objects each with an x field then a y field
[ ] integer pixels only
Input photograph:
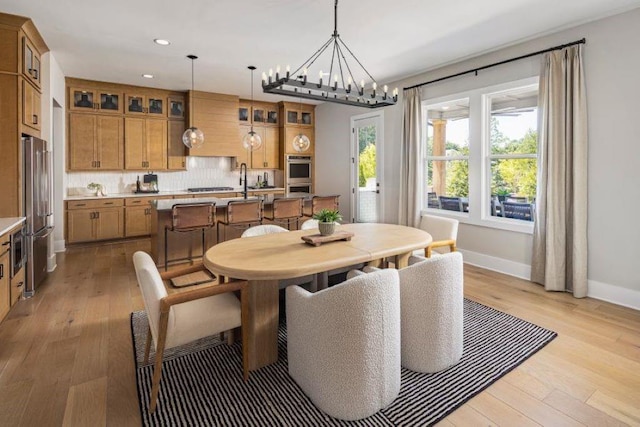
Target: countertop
[
  {"x": 7, "y": 224},
  {"x": 169, "y": 193},
  {"x": 167, "y": 204}
]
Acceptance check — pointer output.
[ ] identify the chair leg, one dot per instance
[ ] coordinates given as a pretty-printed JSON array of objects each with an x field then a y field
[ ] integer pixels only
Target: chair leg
[
  {"x": 147, "y": 346},
  {"x": 221, "y": 336},
  {"x": 231, "y": 337},
  {"x": 155, "y": 383},
  {"x": 166, "y": 251},
  {"x": 204, "y": 248}
]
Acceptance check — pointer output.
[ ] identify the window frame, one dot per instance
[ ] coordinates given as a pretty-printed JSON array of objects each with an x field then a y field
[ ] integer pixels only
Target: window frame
[{"x": 479, "y": 158}]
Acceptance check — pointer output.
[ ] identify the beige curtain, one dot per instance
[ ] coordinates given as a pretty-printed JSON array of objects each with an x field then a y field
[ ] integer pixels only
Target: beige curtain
[
  {"x": 559, "y": 259},
  {"x": 411, "y": 166}
]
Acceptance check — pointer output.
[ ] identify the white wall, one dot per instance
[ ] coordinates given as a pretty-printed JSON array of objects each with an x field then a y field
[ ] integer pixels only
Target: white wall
[
  {"x": 53, "y": 131},
  {"x": 611, "y": 63}
]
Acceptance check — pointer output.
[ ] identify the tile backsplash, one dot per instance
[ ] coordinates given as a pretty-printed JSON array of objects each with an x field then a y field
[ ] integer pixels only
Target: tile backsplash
[{"x": 201, "y": 172}]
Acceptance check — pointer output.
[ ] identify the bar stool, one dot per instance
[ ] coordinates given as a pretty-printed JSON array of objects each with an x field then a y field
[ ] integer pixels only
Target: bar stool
[
  {"x": 285, "y": 210},
  {"x": 322, "y": 202},
  {"x": 241, "y": 214},
  {"x": 186, "y": 218}
]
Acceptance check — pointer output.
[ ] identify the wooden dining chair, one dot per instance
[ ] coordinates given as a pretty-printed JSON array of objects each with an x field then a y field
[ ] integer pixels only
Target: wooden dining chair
[
  {"x": 322, "y": 202},
  {"x": 181, "y": 318}
]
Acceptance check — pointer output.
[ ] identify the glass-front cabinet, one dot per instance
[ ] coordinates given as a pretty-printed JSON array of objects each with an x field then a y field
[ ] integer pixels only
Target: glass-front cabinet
[
  {"x": 30, "y": 62},
  {"x": 148, "y": 105},
  {"x": 94, "y": 100},
  {"x": 260, "y": 114},
  {"x": 296, "y": 115},
  {"x": 176, "y": 107}
]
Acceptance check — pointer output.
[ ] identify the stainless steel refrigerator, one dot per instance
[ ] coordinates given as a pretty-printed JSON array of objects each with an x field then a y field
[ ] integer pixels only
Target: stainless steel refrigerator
[{"x": 37, "y": 180}]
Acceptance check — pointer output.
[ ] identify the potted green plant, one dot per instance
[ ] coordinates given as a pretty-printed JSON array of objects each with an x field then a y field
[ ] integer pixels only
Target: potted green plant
[
  {"x": 97, "y": 188},
  {"x": 502, "y": 194},
  {"x": 327, "y": 221}
]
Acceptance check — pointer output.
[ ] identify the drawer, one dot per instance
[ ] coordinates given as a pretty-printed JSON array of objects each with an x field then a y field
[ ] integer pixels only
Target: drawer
[
  {"x": 17, "y": 286},
  {"x": 138, "y": 201},
  {"x": 92, "y": 204}
]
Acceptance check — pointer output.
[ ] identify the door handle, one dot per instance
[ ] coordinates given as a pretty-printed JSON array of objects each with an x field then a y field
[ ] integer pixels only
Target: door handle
[
  {"x": 35, "y": 119},
  {"x": 1, "y": 271}
]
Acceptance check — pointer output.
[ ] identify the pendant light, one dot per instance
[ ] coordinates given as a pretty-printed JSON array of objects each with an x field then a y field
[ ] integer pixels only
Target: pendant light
[
  {"x": 252, "y": 141},
  {"x": 192, "y": 137},
  {"x": 301, "y": 142}
]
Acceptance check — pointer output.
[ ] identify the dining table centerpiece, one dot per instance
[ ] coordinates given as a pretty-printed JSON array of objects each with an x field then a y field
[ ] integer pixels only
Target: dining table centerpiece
[{"x": 327, "y": 221}]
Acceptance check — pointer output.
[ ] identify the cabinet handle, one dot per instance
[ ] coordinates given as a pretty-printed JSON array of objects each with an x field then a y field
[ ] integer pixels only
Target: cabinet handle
[
  {"x": 1, "y": 271},
  {"x": 91, "y": 215},
  {"x": 99, "y": 163},
  {"x": 19, "y": 285},
  {"x": 81, "y": 204},
  {"x": 97, "y": 214},
  {"x": 34, "y": 73},
  {"x": 108, "y": 203},
  {"x": 6, "y": 243},
  {"x": 35, "y": 119}
]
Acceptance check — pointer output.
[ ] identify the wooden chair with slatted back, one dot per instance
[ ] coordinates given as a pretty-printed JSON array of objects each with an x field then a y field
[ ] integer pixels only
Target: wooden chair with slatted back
[
  {"x": 241, "y": 214},
  {"x": 187, "y": 218},
  {"x": 323, "y": 202}
]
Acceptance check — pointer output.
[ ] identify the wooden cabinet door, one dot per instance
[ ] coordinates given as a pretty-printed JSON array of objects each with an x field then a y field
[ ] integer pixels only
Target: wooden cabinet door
[
  {"x": 80, "y": 225},
  {"x": 30, "y": 62},
  {"x": 135, "y": 104},
  {"x": 137, "y": 221},
  {"x": 109, "y": 223},
  {"x": 5, "y": 291},
  {"x": 156, "y": 144},
  {"x": 82, "y": 99},
  {"x": 290, "y": 133},
  {"x": 134, "y": 143},
  {"x": 157, "y": 106},
  {"x": 17, "y": 286},
  {"x": 109, "y": 102},
  {"x": 30, "y": 106},
  {"x": 271, "y": 148},
  {"x": 82, "y": 135},
  {"x": 109, "y": 147},
  {"x": 176, "y": 150}
]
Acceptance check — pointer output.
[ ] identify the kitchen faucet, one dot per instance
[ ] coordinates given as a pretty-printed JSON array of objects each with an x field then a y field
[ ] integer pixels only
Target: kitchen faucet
[{"x": 243, "y": 180}]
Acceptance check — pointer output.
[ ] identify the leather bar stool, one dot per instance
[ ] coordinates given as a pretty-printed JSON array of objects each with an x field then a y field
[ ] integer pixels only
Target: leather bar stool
[
  {"x": 241, "y": 214},
  {"x": 286, "y": 210},
  {"x": 187, "y": 218},
  {"x": 322, "y": 202}
]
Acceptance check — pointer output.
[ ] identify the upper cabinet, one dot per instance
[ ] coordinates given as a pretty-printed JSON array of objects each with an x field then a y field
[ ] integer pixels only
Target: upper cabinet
[
  {"x": 147, "y": 105},
  {"x": 297, "y": 114},
  {"x": 176, "y": 107},
  {"x": 262, "y": 113},
  {"x": 30, "y": 62},
  {"x": 104, "y": 101}
]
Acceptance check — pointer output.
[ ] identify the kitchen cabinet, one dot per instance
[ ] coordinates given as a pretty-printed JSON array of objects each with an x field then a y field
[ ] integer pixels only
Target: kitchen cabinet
[
  {"x": 95, "y": 142},
  {"x": 267, "y": 157},
  {"x": 20, "y": 52},
  {"x": 137, "y": 220},
  {"x": 95, "y": 100},
  {"x": 31, "y": 62},
  {"x": 145, "y": 143},
  {"x": 288, "y": 133},
  {"x": 262, "y": 113},
  {"x": 146, "y": 104},
  {"x": 297, "y": 114},
  {"x": 31, "y": 106},
  {"x": 93, "y": 220},
  {"x": 17, "y": 286},
  {"x": 5, "y": 269},
  {"x": 176, "y": 107},
  {"x": 216, "y": 115},
  {"x": 176, "y": 150}
]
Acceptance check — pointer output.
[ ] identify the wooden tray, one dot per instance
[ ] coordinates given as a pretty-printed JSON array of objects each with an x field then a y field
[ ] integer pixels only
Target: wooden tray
[{"x": 318, "y": 239}]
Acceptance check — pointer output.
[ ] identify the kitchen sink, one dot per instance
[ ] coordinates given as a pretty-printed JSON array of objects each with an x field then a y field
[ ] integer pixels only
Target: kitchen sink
[{"x": 264, "y": 187}]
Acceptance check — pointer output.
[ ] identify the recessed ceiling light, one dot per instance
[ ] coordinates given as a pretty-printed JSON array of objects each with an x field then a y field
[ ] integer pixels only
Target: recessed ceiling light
[
  {"x": 147, "y": 76},
  {"x": 162, "y": 42},
  {"x": 445, "y": 107}
]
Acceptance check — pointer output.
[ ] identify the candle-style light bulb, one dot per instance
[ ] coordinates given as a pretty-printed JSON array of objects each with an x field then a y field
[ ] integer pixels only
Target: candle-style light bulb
[
  {"x": 304, "y": 71},
  {"x": 277, "y": 72},
  {"x": 320, "y": 82},
  {"x": 374, "y": 85},
  {"x": 264, "y": 76},
  {"x": 385, "y": 88},
  {"x": 270, "y": 72},
  {"x": 320, "y": 74},
  {"x": 362, "y": 83},
  {"x": 335, "y": 82},
  {"x": 288, "y": 70}
]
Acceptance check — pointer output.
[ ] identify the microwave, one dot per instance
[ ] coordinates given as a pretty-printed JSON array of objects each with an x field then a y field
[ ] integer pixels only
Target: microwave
[{"x": 298, "y": 170}]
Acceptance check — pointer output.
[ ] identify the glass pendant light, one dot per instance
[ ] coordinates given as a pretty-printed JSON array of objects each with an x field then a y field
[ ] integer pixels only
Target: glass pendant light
[
  {"x": 192, "y": 137},
  {"x": 301, "y": 142},
  {"x": 252, "y": 141}
]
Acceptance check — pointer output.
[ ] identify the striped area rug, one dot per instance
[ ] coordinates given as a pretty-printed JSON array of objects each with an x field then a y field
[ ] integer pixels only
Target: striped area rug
[{"x": 202, "y": 383}]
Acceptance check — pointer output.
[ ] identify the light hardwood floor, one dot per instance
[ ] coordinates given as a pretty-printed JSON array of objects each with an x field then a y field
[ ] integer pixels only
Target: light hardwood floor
[{"x": 66, "y": 355}]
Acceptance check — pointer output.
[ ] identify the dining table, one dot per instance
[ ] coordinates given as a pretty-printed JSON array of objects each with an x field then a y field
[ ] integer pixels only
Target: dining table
[{"x": 265, "y": 261}]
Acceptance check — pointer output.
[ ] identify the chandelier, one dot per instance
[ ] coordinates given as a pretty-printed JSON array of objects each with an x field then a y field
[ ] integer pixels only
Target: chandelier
[{"x": 339, "y": 90}]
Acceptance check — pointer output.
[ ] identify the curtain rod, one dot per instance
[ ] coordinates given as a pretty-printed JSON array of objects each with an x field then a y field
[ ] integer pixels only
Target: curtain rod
[{"x": 506, "y": 61}]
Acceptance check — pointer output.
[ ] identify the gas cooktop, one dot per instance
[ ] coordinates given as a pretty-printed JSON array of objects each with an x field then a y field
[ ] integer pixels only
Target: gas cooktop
[{"x": 208, "y": 189}]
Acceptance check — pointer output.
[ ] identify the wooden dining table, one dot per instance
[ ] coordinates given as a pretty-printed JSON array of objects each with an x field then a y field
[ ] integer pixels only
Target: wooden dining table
[{"x": 265, "y": 260}]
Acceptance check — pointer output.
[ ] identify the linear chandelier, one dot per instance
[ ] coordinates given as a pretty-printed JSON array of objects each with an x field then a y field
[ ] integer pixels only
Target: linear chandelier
[{"x": 341, "y": 91}]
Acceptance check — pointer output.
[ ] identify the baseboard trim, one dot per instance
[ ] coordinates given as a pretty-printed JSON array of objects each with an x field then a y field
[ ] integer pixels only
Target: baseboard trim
[
  {"x": 501, "y": 265},
  {"x": 614, "y": 294},
  {"x": 59, "y": 246}
]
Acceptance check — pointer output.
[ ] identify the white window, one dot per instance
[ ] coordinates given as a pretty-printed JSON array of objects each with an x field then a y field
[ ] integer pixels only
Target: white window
[
  {"x": 447, "y": 153},
  {"x": 481, "y": 155}
]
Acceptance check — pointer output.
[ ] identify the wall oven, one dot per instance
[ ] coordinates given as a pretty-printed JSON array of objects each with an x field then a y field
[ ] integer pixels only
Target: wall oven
[
  {"x": 299, "y": 188},
  {"x": 298, "y": 170}
]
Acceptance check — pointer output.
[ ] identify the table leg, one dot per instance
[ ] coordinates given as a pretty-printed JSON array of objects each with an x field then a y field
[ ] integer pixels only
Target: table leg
[
  {"x": 377, "y": 263},
  {"x": 402, "y": 260},
  {"x": 262, "y": 327},
  {"x": 320, "y": 281}
]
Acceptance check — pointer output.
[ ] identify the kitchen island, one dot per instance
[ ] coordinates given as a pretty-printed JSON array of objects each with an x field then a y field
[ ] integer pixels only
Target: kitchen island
[{"x": 182, "y": 245}]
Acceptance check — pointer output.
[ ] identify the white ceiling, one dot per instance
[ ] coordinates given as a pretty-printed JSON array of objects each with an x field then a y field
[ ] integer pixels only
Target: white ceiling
[{"x": 112, "y": 40}]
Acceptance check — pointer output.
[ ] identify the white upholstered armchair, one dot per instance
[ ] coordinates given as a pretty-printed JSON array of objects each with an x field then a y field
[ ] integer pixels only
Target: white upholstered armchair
[
  {"x": 344, "y": 344},
  {"x": 444, "y": 232}
]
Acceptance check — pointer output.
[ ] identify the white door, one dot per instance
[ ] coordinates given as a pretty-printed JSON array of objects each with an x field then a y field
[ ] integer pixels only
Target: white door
[{"x": 366, "y": 167}]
